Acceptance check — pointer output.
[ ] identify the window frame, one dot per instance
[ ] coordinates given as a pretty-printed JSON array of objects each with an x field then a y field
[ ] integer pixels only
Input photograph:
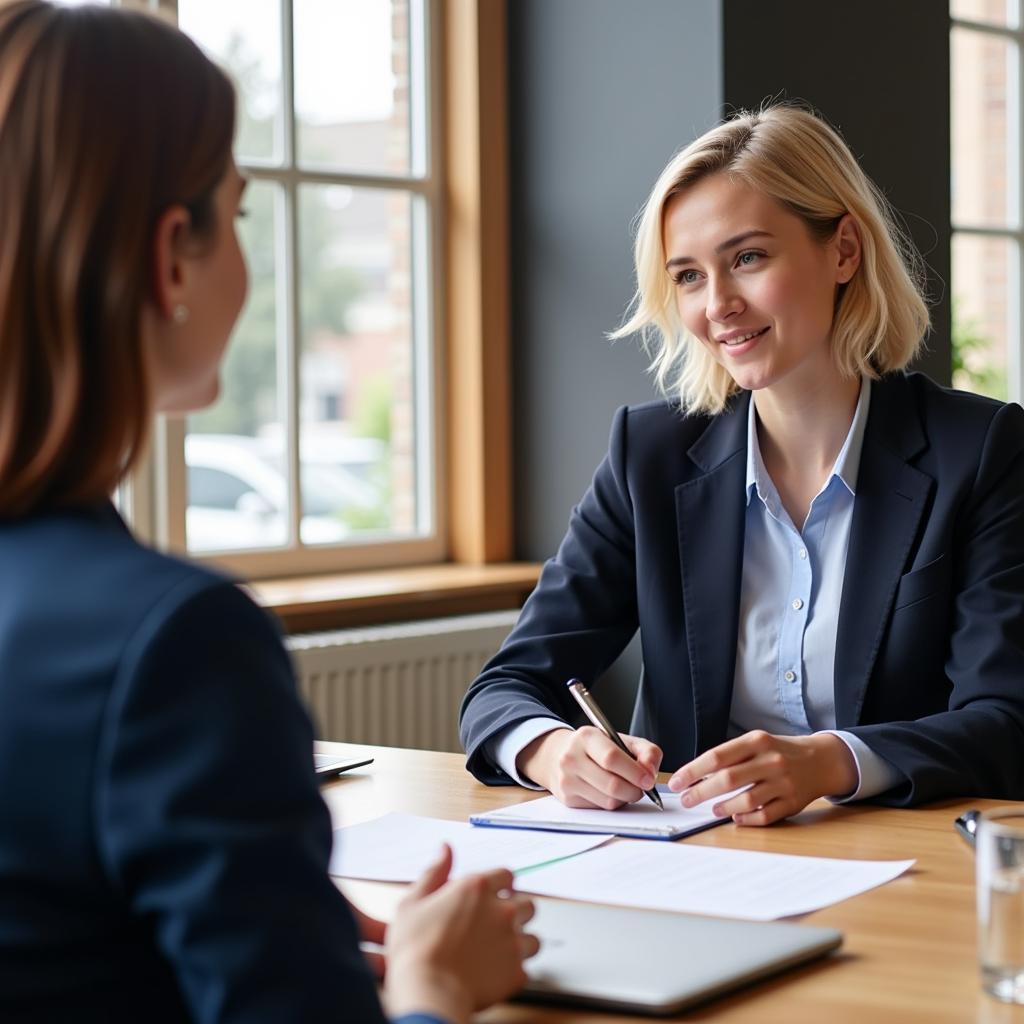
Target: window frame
[
  {"x": 472, "y": 366},
  {"x": 165, "y": 510},
  {"x": 1013, "y": 229}
]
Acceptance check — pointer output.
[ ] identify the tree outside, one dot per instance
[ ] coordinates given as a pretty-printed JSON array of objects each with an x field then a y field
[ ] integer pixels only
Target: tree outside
[{"x": 974, "y": 368}]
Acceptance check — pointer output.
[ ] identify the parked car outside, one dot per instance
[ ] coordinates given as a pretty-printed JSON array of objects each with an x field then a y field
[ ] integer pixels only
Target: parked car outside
[{"x": 238, "y": 495}]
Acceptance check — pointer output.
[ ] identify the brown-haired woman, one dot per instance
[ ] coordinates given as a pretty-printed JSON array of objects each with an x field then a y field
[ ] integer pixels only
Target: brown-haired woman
[{"x": 151, "y": 868}]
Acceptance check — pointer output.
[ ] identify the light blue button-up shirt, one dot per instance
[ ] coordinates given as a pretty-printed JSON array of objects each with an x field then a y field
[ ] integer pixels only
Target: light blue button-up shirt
[
  {"x": 789, "y": 606},
  {"x": 789, "y": 613}
]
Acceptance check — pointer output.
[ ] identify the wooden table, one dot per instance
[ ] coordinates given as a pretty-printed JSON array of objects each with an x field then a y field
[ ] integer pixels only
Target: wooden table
[{"x": 909, "y": 952}]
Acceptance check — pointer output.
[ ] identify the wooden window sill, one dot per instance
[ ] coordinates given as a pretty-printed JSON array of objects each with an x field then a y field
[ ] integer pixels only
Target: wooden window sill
[{"x": 305, "y": 603}]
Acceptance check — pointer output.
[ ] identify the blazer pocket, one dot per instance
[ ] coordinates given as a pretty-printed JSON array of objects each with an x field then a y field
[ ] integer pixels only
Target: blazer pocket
[{"x": 915, "y": 586}]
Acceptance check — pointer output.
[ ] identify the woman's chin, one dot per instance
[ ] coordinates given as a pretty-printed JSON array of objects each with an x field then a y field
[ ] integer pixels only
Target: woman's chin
[
  {"x": 183, "y": 401},
  {"x": 752, "y": 378}
]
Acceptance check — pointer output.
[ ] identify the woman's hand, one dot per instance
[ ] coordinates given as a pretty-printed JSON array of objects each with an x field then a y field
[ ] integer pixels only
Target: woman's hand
[
  {"x": 784, "y": 773},
  {"x": 583, "y": 768},
  {"x": 455, "y": 948}
]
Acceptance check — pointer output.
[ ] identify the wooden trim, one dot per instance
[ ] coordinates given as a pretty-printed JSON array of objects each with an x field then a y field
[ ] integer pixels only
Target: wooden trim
[
  {"x": 477, "y": 290},
  {"x": 357, "y": 599}
]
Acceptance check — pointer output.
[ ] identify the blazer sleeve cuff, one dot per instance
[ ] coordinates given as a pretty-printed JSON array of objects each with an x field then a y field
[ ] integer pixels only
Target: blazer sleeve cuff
[
  {"x": 503, "y": 748},
  {"x": 874, "y": 774}
]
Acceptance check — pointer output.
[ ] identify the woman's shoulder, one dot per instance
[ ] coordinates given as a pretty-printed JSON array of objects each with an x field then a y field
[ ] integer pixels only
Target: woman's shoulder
[
  {"x": 661, "y": 437},
  {"x": 85, "y": 563},
  {"x": 942, "y": 408},
  {"x": 169, "y": 596},
  {"x": 949, "y": 433},
  {"x": 113, "y": 551},
  {"x": 663, "y": 419}
]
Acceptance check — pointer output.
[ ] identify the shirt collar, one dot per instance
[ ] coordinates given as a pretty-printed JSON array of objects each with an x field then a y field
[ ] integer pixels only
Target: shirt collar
[{"x": 846, "y": 466}]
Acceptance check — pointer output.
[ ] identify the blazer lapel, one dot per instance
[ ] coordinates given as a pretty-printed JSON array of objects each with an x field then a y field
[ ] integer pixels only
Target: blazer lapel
[
  {"x": 891, "y": 498},
  {"x": 710, "y": 518}
]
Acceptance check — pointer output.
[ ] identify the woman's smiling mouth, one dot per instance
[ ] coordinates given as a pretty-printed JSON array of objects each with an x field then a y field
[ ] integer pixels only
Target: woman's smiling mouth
[{"x": 736, "y": 338}]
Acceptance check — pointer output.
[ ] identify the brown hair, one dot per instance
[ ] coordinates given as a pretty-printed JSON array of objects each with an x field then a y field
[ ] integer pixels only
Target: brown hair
[{"x": 107, "y": 118}]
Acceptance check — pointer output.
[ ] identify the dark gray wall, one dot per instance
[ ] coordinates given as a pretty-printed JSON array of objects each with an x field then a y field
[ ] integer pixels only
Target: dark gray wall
[
  {"x": 879, "y": 72},
  {"x": 602, "y": 93}
]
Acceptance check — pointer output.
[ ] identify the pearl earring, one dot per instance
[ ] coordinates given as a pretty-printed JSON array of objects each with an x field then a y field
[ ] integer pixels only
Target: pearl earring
[{"x": 180, "y": 314}]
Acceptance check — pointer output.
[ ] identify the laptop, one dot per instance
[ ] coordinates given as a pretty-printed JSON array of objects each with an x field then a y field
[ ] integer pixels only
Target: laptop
[
  {"x": 331, "y": 764},
  {"x": 657, "y": 963}
]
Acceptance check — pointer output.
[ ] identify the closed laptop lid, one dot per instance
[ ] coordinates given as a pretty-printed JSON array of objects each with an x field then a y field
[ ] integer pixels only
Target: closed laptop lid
[
  {"x": 331, "y": 764},
  {"x": 652, "y": 962}
]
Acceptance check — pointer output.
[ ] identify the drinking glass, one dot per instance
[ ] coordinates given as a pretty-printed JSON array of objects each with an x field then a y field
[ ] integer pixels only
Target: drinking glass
[{"x": 1000, "y": 889}]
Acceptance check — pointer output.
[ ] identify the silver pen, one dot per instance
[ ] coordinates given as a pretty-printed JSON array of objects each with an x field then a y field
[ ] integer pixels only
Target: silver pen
[{"x": 600, "y": 720}]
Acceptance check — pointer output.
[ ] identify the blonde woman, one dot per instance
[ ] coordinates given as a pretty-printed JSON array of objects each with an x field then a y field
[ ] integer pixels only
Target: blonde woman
[{"x": 823, "y": 553}]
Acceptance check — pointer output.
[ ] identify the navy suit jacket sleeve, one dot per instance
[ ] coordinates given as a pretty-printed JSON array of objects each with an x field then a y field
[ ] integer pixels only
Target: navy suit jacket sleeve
[
  {"x": 579, "y": 618},
  {"x": 210, "y": 823}
]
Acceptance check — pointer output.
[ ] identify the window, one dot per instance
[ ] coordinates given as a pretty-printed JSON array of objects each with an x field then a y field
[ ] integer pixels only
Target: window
[
  {"x": 986, "y": 186},
  {"x": 326, "y": 435},
  {"x": 351, "y": 222}
]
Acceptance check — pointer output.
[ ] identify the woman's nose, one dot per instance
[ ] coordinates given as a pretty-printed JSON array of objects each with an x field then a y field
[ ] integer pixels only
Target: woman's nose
[{"x": 723, "y": 299}]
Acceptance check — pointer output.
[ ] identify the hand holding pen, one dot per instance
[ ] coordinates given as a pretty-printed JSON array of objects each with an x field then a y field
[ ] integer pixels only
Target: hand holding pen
[
  {"x": 600, "y": 721},
  {"x": 585, "y": 768}
]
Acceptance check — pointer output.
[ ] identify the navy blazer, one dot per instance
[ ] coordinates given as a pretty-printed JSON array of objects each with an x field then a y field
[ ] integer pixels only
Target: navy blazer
[
  {"x": 164, "y": 847},
  {"x": 929, "y": 668}
]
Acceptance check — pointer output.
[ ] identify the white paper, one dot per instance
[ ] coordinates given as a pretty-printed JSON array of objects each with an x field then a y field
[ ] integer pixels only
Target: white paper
[
  {"x": 711, "y": 881},
  {"x": 642, "y": 819},
  {"x": 400, "y": 847}
]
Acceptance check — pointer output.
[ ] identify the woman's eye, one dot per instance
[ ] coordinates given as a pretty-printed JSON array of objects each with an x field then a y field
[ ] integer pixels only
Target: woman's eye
[
  {"x": 747, "y": 259},
  {"x": 687, "y": 277}
]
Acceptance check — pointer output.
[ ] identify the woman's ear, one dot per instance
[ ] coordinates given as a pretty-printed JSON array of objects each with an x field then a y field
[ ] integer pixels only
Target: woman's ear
[
  {"x": 170, "y": 263},
  {"x": 847, "y": 247}
]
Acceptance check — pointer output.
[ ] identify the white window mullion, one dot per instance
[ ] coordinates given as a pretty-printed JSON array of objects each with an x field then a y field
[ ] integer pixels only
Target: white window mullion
[
  {"x": 426, "y": 257},
  {"x": 423, "y": 146},
  {"x": 163, "y": 481},
  {"x": 1015, "y": 129},
  {"x": 424, "y": 361},
  {"x": 136, "y": 499},
  {"x": 1014, "y": 369},
  {"x": 1014, "y": 360},
  {"x": 172, "y": 482},
  {"x": 289, "y": 359}
]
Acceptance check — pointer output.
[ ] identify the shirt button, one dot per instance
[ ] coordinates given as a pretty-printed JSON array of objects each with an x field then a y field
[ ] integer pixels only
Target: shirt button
[
  {"x": 797, "y": 604},
  {"x": 789, "y": 677},
  {"x": 802, "y": 552}
]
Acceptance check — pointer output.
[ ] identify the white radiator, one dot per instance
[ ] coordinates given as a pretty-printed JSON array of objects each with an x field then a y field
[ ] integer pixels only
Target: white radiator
[{"x": 399, "y": 686}]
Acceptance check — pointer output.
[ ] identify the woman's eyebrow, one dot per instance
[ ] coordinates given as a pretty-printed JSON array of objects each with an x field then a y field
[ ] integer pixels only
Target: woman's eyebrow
[{"x": 729, "y": 243}]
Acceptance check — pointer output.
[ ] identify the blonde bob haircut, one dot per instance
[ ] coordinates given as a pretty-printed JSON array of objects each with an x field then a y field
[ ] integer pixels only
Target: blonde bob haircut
[{"x": 795, "y": 158}]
